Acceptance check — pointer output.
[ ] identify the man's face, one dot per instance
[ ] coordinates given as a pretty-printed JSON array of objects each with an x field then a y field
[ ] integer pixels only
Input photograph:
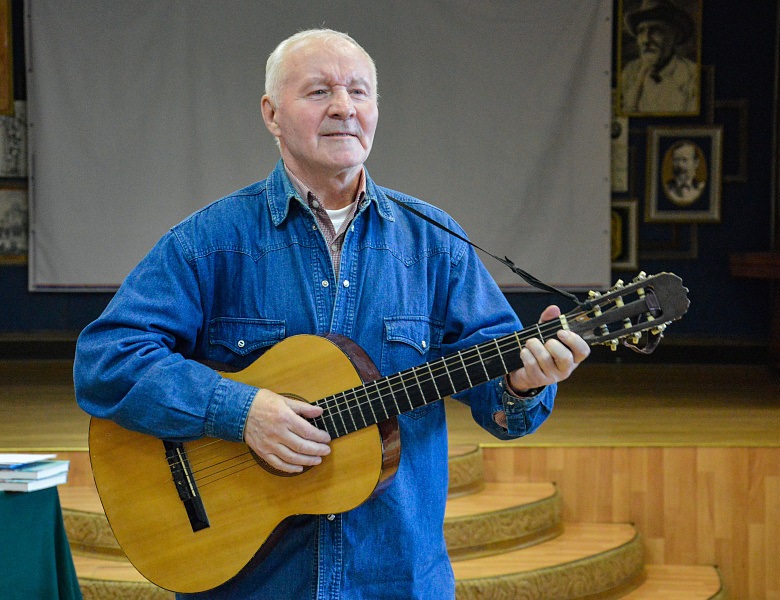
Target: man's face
[
  {"x": 326, "y": 113},
  {"x": 684, "y": 163},
  {"x": 656, "y": 40}
]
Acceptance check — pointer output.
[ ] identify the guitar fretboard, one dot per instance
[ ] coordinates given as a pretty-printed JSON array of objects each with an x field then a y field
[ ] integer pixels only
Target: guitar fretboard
[{"x": 390, "y": 396}]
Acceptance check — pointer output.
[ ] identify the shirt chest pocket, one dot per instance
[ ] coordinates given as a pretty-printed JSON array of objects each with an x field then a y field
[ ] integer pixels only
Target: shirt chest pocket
[
  {"x": 410, "y": 341},
  {"x": 239, "y": 342}
]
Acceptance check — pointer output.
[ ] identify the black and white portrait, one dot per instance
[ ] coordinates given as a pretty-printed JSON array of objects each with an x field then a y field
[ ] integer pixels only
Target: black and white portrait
[{"x": 659, "y": 60}]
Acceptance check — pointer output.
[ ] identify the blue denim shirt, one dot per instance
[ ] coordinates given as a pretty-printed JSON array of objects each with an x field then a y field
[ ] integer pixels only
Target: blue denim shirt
[{"x": 252, "y": 269}]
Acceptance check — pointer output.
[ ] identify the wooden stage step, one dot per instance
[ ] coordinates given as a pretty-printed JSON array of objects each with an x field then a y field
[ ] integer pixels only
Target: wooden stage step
[
  {"x": 106, "y": 579},
  {"x": 675, "y": 582},
  {"x": 506, "y": 540},
  {"x": 501, "y": 517}
]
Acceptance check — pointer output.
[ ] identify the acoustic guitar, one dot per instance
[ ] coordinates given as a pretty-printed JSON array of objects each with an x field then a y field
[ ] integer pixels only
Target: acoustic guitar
[{"x": 190, "y": 516}]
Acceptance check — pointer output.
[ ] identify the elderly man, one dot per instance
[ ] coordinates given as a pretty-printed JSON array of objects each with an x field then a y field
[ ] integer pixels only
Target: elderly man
[
  {"x": 660, "y": 81},
  {"x": 316, "y": 248}
]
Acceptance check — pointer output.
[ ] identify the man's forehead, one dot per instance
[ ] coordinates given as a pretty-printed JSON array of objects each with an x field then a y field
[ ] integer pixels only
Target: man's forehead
[{"x": 328, "y": 61}]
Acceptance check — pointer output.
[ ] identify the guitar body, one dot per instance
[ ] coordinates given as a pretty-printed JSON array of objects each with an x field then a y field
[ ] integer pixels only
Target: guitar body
[{"x": 244, "y": 502}]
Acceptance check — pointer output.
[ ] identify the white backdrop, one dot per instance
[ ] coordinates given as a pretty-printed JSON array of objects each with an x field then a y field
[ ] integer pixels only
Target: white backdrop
[{"x": 143, "y": 111}]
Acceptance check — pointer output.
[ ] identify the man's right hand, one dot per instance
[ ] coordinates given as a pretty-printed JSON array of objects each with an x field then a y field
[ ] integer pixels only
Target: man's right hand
[{"x": 277, "y": 430}]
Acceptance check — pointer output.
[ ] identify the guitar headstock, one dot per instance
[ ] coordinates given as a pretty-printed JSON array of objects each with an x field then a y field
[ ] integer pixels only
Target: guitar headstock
[{"x": 624, "y": 312}]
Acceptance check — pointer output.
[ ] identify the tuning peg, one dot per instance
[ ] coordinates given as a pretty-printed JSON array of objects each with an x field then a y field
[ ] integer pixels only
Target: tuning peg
[
  {"x": 619, "y": 284},
  {"x": 641, "y": 277},
  {"x": 613, "y": 345},
  {"x": 659, "y": 329}
]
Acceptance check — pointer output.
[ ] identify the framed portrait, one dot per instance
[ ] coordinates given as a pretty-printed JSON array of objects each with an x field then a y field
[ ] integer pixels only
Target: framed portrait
[
  {"x": 13, "y": 224},
  {"x": 623, "y": 227},
  {"x": 683, "y": 174},
  {"x": 659, "y": 57}
]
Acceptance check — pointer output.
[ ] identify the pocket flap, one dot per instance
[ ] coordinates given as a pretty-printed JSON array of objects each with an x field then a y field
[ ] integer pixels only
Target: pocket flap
[
  {"x": 243, "y": 336},
  {"x": 422, "y": 333}
]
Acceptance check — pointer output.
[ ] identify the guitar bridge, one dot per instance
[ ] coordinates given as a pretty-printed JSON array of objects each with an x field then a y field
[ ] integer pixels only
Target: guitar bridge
[{"x": 184, "y": 480}]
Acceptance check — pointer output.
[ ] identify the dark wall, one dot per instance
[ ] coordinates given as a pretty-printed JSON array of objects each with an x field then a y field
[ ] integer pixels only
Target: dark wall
[{"x": 739, "y": 45}]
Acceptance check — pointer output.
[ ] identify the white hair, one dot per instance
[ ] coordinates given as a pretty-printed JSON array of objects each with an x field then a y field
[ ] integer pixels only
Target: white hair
[{"x": 274, "y": 67}]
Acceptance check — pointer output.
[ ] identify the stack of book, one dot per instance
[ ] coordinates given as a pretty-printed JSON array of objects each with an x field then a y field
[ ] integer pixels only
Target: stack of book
[{"x": 30, "y": 472}]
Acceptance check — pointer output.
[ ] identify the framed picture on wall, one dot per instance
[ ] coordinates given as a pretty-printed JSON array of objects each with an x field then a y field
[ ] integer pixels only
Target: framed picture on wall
[
  {"x": 659, "y": 57},
  {"x": 13, "y": 224},
  {"x": 623, "y": 226},
  {"x": 683, "y": 174}
]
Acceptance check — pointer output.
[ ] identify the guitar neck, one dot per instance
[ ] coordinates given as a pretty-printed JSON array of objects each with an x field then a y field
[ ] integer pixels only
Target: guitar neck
[
  {"x": 623, "y": 312},
  {"x": 390, "y": 396}
]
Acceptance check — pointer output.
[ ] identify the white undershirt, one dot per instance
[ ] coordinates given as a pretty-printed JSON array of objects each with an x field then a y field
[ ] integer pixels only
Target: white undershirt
[{"x": 337, "y": 216}]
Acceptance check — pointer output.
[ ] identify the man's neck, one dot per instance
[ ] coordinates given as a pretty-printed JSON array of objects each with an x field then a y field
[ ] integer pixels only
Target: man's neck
[{"x": 334, "y": 191}]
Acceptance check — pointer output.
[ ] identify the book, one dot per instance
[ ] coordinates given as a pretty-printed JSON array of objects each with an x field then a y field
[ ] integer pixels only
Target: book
[
  {"x": 31, "y": 485},
  {"x": 36, "y": 470},
  {"x": 14, "y": 461}
]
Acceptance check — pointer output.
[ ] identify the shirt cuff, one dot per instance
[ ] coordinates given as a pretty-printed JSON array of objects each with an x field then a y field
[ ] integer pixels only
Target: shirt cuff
[
  {"x": 515, "y": 407},
  {"x": 228, "y": 409}
]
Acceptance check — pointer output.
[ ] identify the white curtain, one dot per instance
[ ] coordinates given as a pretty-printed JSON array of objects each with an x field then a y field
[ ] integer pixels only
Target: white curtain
[{"x": 142, "y": 111}]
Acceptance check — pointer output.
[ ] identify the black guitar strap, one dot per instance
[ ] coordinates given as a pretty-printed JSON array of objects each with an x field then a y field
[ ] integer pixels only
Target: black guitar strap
[{"x": 530, "y": 279}]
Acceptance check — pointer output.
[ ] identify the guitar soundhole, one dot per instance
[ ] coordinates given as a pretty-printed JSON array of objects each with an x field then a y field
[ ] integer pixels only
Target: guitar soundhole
[{"x": 272, "y": 470}]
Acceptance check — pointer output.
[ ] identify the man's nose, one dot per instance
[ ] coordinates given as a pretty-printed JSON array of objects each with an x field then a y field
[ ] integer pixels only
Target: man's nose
[{"x": 341, "y": 105}]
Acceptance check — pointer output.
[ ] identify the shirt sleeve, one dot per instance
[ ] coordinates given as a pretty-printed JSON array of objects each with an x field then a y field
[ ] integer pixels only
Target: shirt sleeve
[
  {"x": 131, "y": 364},
  {"x": 478, "y": 312}
]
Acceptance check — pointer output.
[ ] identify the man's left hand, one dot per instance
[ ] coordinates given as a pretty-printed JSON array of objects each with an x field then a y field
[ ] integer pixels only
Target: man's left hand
[{"x": 551, "y": 362}]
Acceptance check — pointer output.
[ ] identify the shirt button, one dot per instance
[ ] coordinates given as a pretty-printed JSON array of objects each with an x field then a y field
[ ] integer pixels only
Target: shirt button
[
  {"x": 325, "y": 283},
  {"x": 346, "y": 283},
  {"x": 334, "y": 247},
  {"x": 424, "y": 344},
  {"x": 331, "y": 517},
  {"x": 241, "y": 343},
  {"x": 314, "y": 204}
]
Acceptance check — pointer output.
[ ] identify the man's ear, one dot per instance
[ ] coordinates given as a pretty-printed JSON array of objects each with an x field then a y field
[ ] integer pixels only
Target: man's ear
[{"x": 269, "y": 115}]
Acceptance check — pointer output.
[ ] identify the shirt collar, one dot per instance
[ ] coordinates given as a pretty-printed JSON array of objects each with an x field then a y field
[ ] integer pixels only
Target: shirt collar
[{"x": 281, "y": 191}]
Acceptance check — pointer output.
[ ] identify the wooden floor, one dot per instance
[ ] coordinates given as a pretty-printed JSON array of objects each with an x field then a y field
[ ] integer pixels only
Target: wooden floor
[{"x": 601, "y": 405}]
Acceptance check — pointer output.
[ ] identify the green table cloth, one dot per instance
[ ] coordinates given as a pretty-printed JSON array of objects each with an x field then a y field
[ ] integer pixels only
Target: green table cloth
[{"x": 35, "y": 559}]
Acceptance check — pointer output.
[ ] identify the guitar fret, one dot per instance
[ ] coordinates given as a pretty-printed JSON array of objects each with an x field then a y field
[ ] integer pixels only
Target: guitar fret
[
  {"x": 341, "y": 416},
  {"x": 359, "y": 406},
  {"x": 501, "y": 356},
  {"x": 433, "y": 378},
  {"x": 395, "y": 400},
  {"x": 465, "y": 368},
  {"x": 333, "y": 422},
  {"x": 449, "y": 375},
  {"x": 482, "y": 361},
  {"x": 419, "y": 385},
  {"x": 406, "y": 391},
  {"x": 351, "y": 413},
  {"x": 370, "y": 404}
]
